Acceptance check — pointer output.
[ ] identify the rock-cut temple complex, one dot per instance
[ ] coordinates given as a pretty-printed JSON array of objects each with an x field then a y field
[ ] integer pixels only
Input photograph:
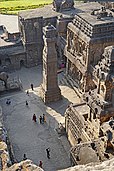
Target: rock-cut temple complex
[{"x": 82, "y": 37}]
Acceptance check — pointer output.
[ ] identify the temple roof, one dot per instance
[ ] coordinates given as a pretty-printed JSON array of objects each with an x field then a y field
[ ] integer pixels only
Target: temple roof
[
  {"x": 48, "y": 12},
  {"x": 82, "y": 108},
  {"x": 87, "y": 9}
]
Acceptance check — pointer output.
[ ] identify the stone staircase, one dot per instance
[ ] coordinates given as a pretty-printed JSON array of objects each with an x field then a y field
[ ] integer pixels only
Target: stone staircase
[{"x": 66, "y": 80}]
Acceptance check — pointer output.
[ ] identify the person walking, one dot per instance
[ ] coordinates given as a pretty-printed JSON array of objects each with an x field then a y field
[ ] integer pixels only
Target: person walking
[
  {"x": 40, "y": 164},
  {"x": 32, "y": 87},
  {"x": 26, "y": 103},
  {"x": 24, "y": 157},
  {"x": 8, "y": 101},
  {"x": 34, "y": 118},
  {"x": 27, "y": 92},
  {"x": 48, "y": 152},
  {"x": 40, "y": 119},
  {"x": 43, "y": 118}
]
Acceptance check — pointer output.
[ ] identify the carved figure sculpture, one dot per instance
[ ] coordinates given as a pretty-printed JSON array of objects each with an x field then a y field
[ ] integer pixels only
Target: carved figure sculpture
[
  {"x": 4, "y": 76},
  {"x": 60, "y": 5}
]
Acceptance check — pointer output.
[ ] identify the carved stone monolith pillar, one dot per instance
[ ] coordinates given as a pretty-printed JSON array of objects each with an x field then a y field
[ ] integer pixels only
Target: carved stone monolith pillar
[{"x": 50, "y": 90}]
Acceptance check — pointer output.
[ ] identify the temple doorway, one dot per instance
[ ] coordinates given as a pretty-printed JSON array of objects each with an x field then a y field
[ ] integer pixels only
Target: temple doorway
[{"x": 22, "y": 63}]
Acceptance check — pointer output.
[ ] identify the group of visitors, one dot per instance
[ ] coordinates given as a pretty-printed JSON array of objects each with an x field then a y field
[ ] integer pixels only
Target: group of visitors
[
  {"x": 42, "y": 119},
  {"x": 40, "y": 163},
  {"x": 8, "y": 101},
  {"x": 48, "y": 156}
]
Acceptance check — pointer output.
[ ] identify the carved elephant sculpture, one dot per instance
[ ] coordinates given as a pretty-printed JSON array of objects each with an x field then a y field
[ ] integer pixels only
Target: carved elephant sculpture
[
  {"x": 4, "y": 76},
  {"x": 57, "y": 4},
  {"x": 62, "y": 4}
]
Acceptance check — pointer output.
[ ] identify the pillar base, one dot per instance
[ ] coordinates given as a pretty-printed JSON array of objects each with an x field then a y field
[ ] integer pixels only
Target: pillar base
[{"x": 52, "y": 95}]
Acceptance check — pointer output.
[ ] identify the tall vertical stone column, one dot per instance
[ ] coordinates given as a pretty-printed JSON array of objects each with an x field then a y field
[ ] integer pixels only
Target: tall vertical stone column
[{"x": 50, "y": 89}]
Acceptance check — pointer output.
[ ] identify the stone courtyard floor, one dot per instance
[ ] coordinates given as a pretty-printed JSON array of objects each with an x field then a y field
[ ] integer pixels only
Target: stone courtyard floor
[{"x": 33, "y": 138}]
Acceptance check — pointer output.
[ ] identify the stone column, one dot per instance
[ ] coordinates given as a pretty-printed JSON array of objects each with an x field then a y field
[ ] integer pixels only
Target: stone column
[{"x": 50, "y": 89}]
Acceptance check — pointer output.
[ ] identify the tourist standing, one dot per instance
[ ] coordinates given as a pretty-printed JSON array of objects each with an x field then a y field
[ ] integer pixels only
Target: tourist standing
[
  {"x": 27, "y": 92},
  {"x": 24, "y": 157},
  {"x": 48, "y": 153},
  {"x": 26, "y": 103},
  {"x": 40, "y": 164},
  {"x": 32, "y": 87},
  {"x": 44, "y": 118},
  {"x": 40, "y": 119},
  {"x": 34, "y": 118},
  {"x": 8, "y": 101}
]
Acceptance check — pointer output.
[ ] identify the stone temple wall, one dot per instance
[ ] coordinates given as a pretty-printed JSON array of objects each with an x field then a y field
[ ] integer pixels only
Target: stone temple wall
[
  {"x": 32, "y": 37},
  {"x": 105, "y": 166}
]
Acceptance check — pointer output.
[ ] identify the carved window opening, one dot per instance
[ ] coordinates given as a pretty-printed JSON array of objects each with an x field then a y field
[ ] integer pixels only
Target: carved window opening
[
  {"x": 21, "y": 63},
  {"x": 80, "y": 48},
  {"x": 30, "y": 53},
  {"x": 94, "y": 116},
  {"x": 7, "y": 61},
  {"x": 98, "y": 72},
  {"x": 102, "y": 88},
  {"x": 70, "y": 38},
  {"x": 108, "y": 61},
  {"x": 96, "y": 110},
  {"x": 93, "y": 146},
  {"x": 87, "y": 99},
  {"x": 90, "y": 114},
  {"x": 95, "y": 86},
  {"x": 79, "y": 140},
  {"x": 102, "y": 76},
  {"x": 90, "y": 117},
  {"x": 101, "y": 133},
  {"x": 85, "y": 116}
]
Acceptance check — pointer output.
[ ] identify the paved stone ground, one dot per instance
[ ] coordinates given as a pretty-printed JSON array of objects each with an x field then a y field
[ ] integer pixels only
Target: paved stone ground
[{"x": 33, "y": 138}]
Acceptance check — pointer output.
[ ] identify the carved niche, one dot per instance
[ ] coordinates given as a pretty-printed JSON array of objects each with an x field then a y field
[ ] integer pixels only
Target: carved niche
[{"x": 76, "y": 46}]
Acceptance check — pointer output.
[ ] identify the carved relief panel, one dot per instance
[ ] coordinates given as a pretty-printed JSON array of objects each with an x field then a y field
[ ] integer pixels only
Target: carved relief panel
[
  {"x": 102, "y": 89},
  {"x": 76, "y": 46},
  {"x": 69, "y": 39},
  {"x": 29, "y": 31},
  {"x": 75, "y": 74},
  {"x": 96, "y": 52}
]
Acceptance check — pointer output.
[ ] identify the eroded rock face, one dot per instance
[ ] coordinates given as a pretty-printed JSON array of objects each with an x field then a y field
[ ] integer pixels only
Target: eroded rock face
[
  {"x": 5, "y": 162},
  {"x": 24, "y": 165},
  {"x": 104, "y": 166}
]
